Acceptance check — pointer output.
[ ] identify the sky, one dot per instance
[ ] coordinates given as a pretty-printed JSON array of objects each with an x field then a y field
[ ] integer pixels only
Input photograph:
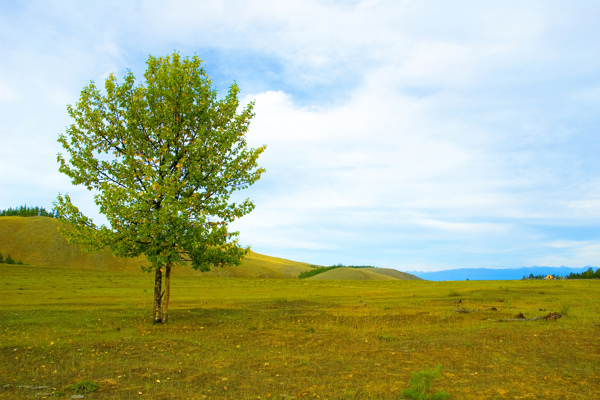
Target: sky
[{"x": 416, "y": 135}]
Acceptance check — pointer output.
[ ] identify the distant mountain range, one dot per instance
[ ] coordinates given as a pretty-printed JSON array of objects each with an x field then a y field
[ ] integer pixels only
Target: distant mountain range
[{"x": 488, "y": 274}]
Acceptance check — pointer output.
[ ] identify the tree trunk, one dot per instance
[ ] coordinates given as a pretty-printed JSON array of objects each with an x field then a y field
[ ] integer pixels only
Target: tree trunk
[
  {"x": 165, "y": 312},
  {"x": 157, "y": 317}
]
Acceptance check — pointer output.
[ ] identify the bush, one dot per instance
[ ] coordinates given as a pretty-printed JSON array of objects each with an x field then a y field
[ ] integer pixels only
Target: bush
[
  {"x": 84, "y": 386},
  {"x": 9, "y": 260},
  {"x": 1, "y": 258},
  {"x": 420, "y": 388}
]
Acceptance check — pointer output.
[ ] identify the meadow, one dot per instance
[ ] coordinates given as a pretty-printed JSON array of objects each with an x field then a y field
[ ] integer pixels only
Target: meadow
[{"x": 235, "y": 338}]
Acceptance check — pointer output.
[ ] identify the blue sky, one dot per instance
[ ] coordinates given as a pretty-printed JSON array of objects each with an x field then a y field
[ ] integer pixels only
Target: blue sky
[{"x": 417, "y": 135}]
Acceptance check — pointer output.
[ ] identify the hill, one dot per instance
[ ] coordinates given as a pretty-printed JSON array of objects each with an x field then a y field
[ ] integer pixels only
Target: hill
[
  {"x": 394, "y": 273},
  {"x": 364, "y": 274},
  {"x": 257, "y": 265},
  {"x": 36, "y": 241}
]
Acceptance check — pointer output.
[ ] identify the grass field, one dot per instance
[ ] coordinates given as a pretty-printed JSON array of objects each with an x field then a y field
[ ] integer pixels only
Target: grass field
[{"x": 232, "y": 338}]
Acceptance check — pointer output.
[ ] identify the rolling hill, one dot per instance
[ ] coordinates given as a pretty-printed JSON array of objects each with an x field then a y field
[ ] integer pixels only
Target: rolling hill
[
  {"x": 364, "y": 274},
  {"x": 37, "y": 241}
]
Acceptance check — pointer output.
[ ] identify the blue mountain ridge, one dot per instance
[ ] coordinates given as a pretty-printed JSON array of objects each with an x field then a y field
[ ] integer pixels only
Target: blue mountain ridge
[{"x": 488, "y": 274}]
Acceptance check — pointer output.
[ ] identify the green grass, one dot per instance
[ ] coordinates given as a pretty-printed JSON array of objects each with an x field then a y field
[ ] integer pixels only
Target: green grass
[
  {"x": 421, "y": 386},
  {"x": 233, "y": 338}
]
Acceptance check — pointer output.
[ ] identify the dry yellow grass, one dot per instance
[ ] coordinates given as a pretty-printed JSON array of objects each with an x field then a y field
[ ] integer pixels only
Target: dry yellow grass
[
  {"x": 36, "y": 241},
  {"x": 363, "y": 274},
  {"x": 257, "y": 265},
  {"x": 232, "y": 338}
]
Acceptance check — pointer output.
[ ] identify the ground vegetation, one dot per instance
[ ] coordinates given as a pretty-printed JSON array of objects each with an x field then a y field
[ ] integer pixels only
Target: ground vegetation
[{"x": 234, "y": 338}]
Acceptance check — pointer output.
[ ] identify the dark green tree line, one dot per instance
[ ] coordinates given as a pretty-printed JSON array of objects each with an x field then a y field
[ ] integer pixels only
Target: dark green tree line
[
  {"x": 26, "y": 211},
  {"x": 319, "y": 270},
  {"x": 589, "y": 274}
]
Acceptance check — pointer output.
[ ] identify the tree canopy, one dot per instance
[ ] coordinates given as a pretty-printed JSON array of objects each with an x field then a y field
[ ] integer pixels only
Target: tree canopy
[{"x": 163, "y": 158}]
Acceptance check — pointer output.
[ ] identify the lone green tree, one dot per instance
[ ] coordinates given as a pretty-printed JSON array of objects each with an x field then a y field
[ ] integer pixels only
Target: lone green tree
[{"x": 164, "y": 158}]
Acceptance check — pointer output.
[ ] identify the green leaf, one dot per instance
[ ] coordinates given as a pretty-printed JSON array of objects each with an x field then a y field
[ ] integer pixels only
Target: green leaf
[{"x": 163, "y": 157}]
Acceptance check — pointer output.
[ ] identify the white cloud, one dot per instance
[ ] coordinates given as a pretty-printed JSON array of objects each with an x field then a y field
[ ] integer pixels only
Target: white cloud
[
  {"x": 409, "y": 133},
  {"x": 567, "y": 244},
  {"x": 570, "y": 254},
  {"x": 462, "y": 227},
  {"x": 7, "y": 93}
]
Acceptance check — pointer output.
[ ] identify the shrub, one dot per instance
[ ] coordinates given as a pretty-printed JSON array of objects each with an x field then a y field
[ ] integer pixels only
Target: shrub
[
  {"x": 387, "y": 338},
  {"x": 84, "y": 386},
  {"x": 10, "y": 260},
  {"x": 420, "y": 388},
  {"x": 1, "y": 258}
]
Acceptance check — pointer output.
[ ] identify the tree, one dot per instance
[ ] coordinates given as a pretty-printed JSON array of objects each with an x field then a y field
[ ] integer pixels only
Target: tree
[
  {"x": 164, "y": 158},
  {"x": 589, "y": 274}
]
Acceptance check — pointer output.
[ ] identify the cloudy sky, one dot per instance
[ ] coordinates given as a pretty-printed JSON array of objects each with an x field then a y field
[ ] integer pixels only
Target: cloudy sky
[{"x": 418, "y": 135}]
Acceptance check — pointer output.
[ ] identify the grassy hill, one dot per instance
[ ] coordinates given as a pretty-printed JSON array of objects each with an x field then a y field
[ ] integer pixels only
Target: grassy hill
[
  {"x": 36, "y": 241},
  {"x": 257, "y": 265},
  {"x": 364, "y": 274},
  {"x": 394, "y": 273}
]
